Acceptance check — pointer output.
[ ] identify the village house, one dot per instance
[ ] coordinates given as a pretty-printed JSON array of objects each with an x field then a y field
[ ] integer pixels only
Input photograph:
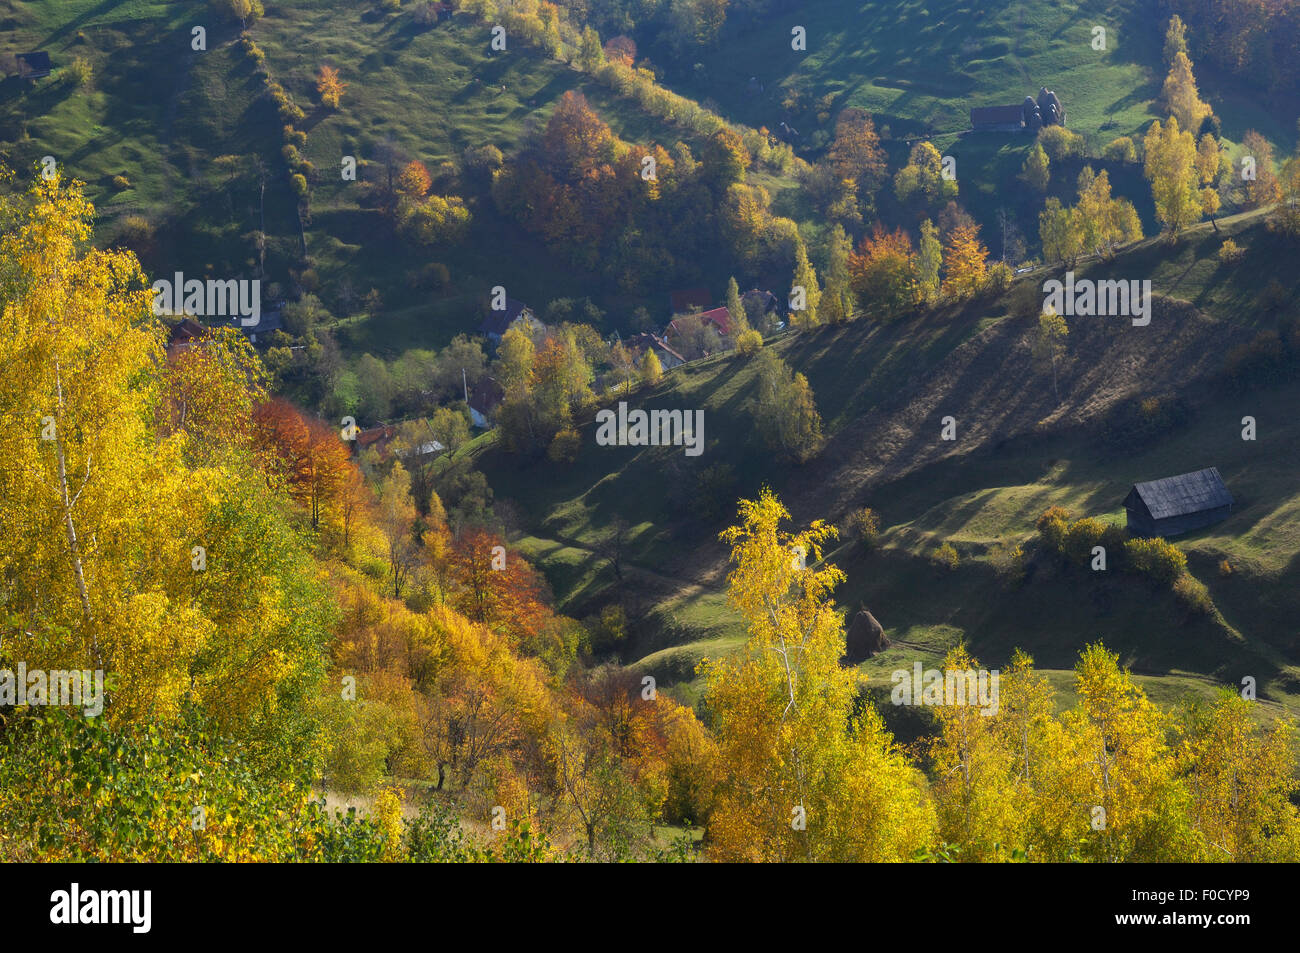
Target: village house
[
  {"x": 184, "y": 336},
  {"x": 483, "y": 402},
  {"x": 668, "y": 358},
  {"x": 380, "y": 439},
  {"x": 1177, "y": 504},
  {"x": 375, "y": 438},
  {"x": 496, "y": 323},
  {"x": 717, "y": 318}
]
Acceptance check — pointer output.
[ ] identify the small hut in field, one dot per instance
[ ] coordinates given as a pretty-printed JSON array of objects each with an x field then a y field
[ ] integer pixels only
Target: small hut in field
[{"x": 1177, "y": 504}]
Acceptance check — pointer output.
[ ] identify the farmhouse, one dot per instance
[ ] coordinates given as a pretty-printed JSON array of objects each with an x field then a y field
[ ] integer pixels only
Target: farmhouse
[
  {"x": 1177, "y": 504},
  {"x": 496, "y": 324},
  {"x": 483, "y": 402},
  {"x": 717, "y": 318},
  {"x": 668, "y": 358}
]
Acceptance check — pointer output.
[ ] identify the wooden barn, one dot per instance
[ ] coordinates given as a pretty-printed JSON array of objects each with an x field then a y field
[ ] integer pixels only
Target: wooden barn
[
  {"x": 997, "y": 119},
  {"x": 34, "y": 65},
  {"x": 1177, "y": 504}
]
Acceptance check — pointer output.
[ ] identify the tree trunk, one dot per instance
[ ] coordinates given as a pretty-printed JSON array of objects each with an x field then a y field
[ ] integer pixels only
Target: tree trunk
[{"x": 67, "y": 500}]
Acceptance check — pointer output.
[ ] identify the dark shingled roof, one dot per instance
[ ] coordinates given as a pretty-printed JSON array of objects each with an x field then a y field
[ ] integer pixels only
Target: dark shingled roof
[
  {"x": 1186, "y": 493},
  {"x": 38, "y": 60},
  {"x": 997, "y": 115}
]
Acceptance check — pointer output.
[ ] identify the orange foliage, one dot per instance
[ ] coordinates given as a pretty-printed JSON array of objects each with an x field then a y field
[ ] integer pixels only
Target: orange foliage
[
  {"x": 306, "y": 453},
  {"x": 508, "y": 599}
]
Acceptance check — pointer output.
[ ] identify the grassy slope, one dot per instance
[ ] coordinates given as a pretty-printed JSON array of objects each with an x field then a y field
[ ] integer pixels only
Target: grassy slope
[
  {"x": 870, "y": 382},
  {"x": 919, "y": 66}
]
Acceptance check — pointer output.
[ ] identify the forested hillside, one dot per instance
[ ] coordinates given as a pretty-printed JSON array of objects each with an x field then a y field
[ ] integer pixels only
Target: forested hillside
[{"x": 649, "y": 430}]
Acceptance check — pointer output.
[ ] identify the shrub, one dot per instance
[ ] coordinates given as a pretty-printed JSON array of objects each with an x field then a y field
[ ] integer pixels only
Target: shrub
[
  {"x": 748, "y": 342},
  {"x": 426, "y": 15},
  {"x": 1138, "y": 422},
  {"x": 1052, "y": 526},
  {"x": 1081, "y": 537},
  {"x": 290, "y": 113},
  {"x": 1260, "y": 362},
  {"x": 241, "y": 10},
  {"x": 1120, "y": 150},
  {"x": 1230, "y": 252},
  {"x": 864, "y": 526},
  {"x": 435, "y": 275},
  {"x": 1192, "y": 594},
  {"x": 121, "y": 182},
  {"x": 1060, "y": 143},
  {"x": 81, "y": 72},
  {"x": 564, "y": 447},
  {"x": 1155, "y": 558},
  {"x": 136, "y": 230},
  {"x": 1274, "y": 296},
  {"x": 295, "y": 137},
  {"x": 1225, "y": 568},
  {"x": 1008, "y": 562},
  {"x": 715, "y": 491},
  {"x": 946, "y": 557},
  {"x": 999, "y": 278},
  {"x": 299, "y": 185}
]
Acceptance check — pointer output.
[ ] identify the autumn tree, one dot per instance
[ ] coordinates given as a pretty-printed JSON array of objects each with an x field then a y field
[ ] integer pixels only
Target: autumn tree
[
  {"x": 1171, "y": 170},
  {"x": 805, "y": 779},
  {"x": 1175, "y": 39},
  {"x": 837, "y": 304},
  {"x": 1211, "y": 171},
  {"x": 922, "y": 178},
  {"x": 651, "y": 369},
  {"x": 590, "y": 54},
  {"x": 929, "y": 260},
  {"x": 495, "y": 587},
  {"x": 329, "y": 87},
  {"x": 1049, "y": 342},
  {"x": 784, "y": 411},
  {"x": 978, "y": 791},
  {"x": 1061, "y": 242},
  {"x": 1037, "y": 172},
  {"x": 1262, "y": 190},
  {"x": 1099, "y": 221},
  {"x": 725, "y": 160},
  {"x": 856, "y": 157},
  {"x": 210, "y": 391},
  {"x": 1242, "y": 782},
  {"x": 883, "y": 273},
  {"x": 805, "y": 286},
  {"x": 735, "y": 310},
  {"x": 1181, "y": 97},
  {"x": 1130, "y": 800},
  {"x": 241, "y": 10},
  {"x": 396, "y": 517},
  {"x": 965, "y": 258},
  {"x": 306, "y": 452},
  {"x": 414, "y": 181},
  {"x": 138, "y": 539}
]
